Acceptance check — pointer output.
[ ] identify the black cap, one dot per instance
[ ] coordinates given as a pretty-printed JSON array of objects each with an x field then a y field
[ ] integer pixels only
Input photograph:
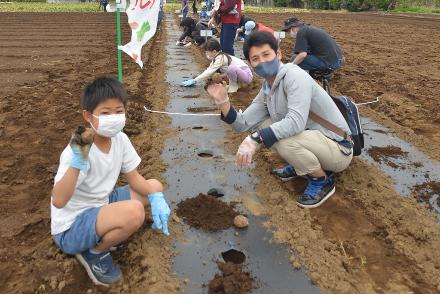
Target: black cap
[{"x": 292, "y": 22}]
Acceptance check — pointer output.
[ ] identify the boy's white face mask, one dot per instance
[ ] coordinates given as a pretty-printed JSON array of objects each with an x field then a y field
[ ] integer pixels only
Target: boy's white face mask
[{"x": 110, "y": 125}]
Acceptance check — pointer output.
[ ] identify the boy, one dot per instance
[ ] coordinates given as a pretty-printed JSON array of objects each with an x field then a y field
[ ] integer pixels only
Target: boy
[
  {"x": 88, "y": 216},
  {"x": 282, "y": 117}
]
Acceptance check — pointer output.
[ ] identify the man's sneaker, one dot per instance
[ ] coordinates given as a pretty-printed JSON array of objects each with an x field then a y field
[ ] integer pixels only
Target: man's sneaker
[
  {"x": 286, "y": 173},
  {"x": 100, "y": 267},
  {"x": 317, "y": 192}
]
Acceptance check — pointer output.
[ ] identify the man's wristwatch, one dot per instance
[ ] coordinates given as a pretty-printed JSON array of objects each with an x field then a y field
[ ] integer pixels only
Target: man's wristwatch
[{"x": 256, "y": 137}]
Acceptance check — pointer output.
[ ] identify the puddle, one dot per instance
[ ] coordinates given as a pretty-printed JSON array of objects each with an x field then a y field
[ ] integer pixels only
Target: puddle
[
  {"x": 409, "y": 168},
  {"x": 199, "y": 250}
]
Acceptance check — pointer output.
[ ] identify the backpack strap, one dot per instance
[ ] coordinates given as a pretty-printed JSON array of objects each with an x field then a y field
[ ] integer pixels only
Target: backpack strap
[{"x": 329, "y": 126}]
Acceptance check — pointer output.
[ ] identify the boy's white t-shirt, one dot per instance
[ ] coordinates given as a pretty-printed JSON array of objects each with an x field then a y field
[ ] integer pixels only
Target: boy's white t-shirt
[{"x": 96, "y": 183}]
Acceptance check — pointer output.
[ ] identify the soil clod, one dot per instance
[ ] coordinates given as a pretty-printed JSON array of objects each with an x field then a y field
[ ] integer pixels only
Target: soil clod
[
  {"x": 206, "y": 212},
  {"x": 232, "y": 280}
]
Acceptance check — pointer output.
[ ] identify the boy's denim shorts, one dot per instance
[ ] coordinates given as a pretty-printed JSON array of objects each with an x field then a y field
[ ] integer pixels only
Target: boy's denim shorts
[{"x": 82, "y": 235}]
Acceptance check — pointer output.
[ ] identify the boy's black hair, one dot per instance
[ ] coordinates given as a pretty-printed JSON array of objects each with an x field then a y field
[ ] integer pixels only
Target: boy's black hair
[
  {"x": 259, "y": 39},
  {"x": 101, "y": 89},
  {"x": 212, "y": 44}
]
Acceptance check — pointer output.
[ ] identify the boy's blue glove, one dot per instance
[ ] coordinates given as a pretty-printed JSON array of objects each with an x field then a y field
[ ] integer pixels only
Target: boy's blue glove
[
  {"x": 160, "y": 212},
  {"x": 78, "y": 161},
  {"x": 188, "y": 83}
]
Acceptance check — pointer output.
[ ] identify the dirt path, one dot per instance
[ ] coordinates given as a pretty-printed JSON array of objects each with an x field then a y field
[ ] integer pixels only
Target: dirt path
[
  {"x": 43, "y": 70},
  {"x": 367, "y": 238}
]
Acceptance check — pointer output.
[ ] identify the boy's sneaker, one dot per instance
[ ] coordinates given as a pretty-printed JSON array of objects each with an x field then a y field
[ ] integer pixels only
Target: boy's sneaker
[
  {"x": 100, "y": 267},
  {"x": 286, "y": 173},
  {"x": 317, "y": 192}
]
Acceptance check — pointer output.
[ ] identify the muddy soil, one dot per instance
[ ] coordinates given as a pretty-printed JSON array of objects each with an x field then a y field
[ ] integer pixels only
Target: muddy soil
[
  {"x": 366, "y": 238},
  {"x": 424, "y": 192},
  {"x": 44, "y": 67},
  {"x": 206, "y": 212},
  {"x": 383, "y": 154},
  {"x": 232, "y": 280}
]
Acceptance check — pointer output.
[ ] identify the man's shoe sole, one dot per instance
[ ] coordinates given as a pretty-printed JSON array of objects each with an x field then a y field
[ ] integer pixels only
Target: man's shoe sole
[
  {"x": 89, "y": 271},
  {"x": 320, "y": 202}
]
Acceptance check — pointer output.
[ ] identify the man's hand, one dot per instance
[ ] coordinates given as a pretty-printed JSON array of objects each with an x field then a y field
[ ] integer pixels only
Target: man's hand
[
  {"x": 160, "y": 212},
  {"x": 188, "y": 83},
  {"x": 218, "y": 92},
  {"x": 245, "y": 152}
]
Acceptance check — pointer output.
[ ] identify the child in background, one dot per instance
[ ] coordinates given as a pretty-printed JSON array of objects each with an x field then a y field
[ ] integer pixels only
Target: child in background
[
  {"x": 88, "y": 214},
  {"x": 230, "y": 67}
]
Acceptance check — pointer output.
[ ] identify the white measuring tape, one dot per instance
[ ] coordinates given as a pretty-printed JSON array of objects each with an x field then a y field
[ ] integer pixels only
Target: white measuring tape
[
  {"x": 218, "y": 114},
  {"x": 179, "y": 113},
  {"x": 365, "y": 103}
]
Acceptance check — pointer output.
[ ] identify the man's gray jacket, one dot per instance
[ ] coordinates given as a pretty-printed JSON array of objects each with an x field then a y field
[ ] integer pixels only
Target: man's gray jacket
[{"x": 288, "y": 102}]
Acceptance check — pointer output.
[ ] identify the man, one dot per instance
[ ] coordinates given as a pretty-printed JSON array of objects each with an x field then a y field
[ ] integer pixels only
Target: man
[
  {"x": 230, "y": 13},
  {"x": 279, "y": 118},
  {"x": 315, "y": 50}
]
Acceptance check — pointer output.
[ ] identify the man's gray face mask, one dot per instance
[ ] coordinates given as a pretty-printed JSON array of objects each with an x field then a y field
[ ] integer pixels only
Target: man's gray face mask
[{"x": 268, "y": 69}]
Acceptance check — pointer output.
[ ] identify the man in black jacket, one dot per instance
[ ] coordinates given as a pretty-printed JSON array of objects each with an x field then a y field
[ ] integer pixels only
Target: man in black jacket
[{"x": 315, "y": 49}]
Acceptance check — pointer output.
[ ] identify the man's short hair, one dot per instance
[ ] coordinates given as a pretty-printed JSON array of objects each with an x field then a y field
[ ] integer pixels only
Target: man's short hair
[
  {"x": 101, "y": 89},
  {"x": 257, "y": 39}
]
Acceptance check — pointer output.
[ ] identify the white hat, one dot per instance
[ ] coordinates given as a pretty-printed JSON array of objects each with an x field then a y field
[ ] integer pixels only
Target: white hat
[{"x": 248, "y": 27}]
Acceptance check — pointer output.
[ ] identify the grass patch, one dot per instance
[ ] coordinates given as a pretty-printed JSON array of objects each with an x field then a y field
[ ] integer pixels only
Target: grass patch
[
  {"x": 49, "y": 7},
  {"x": 416, "y": 9}
]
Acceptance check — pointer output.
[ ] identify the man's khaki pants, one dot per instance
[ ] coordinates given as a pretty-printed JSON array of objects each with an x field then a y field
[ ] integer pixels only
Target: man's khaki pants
[{"x": 310, "y": 150}]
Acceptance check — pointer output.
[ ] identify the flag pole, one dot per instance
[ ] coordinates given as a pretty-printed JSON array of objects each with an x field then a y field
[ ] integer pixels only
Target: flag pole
[{"x": 118, "y": 29}]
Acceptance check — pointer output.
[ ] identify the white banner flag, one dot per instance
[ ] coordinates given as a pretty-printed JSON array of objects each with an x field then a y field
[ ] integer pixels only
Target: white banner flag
[{"x": 142, "y": 18}]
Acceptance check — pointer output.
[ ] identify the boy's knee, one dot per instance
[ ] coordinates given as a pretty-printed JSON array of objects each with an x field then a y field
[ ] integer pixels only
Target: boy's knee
[
  {"x": 155, "y": 186},
  {"x": 136, "y": 214}
]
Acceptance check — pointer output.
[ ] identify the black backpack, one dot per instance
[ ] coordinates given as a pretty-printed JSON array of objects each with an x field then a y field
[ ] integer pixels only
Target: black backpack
[{"x": 351, "y": 114}]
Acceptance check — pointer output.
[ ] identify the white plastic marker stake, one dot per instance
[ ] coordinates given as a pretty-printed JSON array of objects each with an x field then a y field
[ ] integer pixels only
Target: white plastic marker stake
[
  {"x": 206, "y": 34},
  {"x": 365, "y": 103},
  {"x": 280, "y": 35},
  {"x": 179, "y": 113}
]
